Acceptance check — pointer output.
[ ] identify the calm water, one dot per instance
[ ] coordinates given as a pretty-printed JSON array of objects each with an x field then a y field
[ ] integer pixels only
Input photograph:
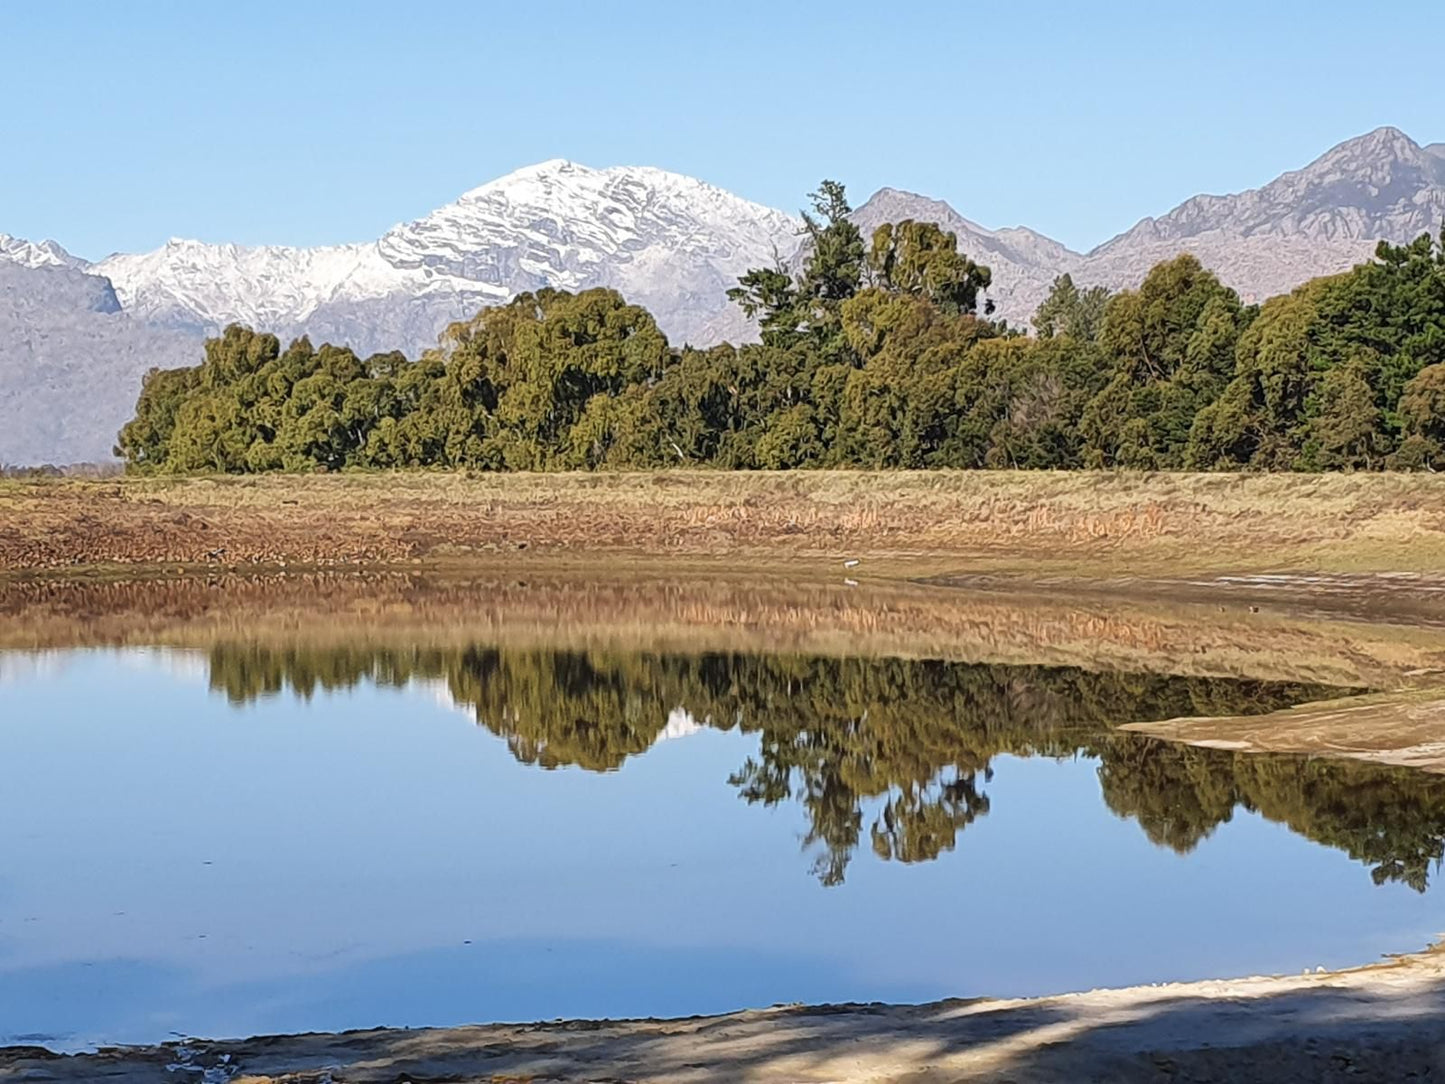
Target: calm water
[{"x": 245, "y": 841}]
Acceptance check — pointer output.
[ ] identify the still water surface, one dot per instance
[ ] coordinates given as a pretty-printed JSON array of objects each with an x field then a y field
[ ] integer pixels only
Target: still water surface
[{"x": 246, "y": 840}]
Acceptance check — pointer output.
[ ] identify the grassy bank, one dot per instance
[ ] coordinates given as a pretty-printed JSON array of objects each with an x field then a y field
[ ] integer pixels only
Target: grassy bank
[{"x": 1039, "y": 523}]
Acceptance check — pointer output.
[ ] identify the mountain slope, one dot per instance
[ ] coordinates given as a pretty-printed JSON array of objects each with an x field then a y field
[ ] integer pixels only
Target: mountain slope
[
  {"x": 1318, "y": 220},
  {"x": 668, "y": 242},
  {"x": 71, "y": 363}
]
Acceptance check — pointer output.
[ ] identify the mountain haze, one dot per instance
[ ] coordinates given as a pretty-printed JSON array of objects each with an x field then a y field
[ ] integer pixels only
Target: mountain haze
[
  {"x": 75, "y": 337},
  {"x": 71, "y": 363}
]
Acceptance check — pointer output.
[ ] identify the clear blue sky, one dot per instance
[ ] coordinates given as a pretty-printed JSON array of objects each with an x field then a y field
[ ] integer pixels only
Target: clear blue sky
[{"x": 307, "y": 122}]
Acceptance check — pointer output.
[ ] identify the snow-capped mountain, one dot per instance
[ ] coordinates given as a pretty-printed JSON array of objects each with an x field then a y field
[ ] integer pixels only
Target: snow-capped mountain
[
  {"x": 668, "y": 242},
  {"x": 37, "y": 253}
]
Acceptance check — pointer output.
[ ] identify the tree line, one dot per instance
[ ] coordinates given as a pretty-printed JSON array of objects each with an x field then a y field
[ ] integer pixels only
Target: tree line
[
  {"x": 876, "y": 353},
  {"x": 892, "y": 754}
]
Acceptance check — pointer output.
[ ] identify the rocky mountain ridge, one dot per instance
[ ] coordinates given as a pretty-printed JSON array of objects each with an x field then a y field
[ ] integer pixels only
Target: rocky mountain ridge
[{"x": 1319, "y": 220}]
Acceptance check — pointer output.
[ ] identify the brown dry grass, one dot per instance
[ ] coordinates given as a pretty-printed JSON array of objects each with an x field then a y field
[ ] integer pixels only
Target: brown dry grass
[{"x": 1074, "y": 523}]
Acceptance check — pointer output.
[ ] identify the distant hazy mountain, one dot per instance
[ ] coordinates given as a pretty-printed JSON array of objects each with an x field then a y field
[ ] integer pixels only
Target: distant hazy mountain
[
  {"x": 665, "y": 241},
  {"x": 70, "y": 361},
  {"x": 1314, "y": 221}
]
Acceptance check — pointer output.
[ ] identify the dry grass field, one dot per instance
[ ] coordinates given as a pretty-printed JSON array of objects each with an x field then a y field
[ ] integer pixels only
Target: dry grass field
[{"x": 1035, "y": 523}]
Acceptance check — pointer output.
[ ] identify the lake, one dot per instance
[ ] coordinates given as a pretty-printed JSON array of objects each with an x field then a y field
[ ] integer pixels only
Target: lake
[{"x": 250, "y": 838}]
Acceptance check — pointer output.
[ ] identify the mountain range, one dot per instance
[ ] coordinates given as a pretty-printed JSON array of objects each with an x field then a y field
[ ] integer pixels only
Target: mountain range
[{"x": 76, "y": 336}]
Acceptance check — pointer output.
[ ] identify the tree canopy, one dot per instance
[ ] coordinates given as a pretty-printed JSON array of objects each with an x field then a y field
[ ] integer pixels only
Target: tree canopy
[{"x": 880, "y": 353}]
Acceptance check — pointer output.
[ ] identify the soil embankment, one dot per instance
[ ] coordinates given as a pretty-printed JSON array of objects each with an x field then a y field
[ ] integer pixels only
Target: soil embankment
[{"x": 1075, "y": 523}]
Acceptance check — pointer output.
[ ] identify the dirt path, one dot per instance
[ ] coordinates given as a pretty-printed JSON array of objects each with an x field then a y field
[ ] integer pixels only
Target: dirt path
[{"x": 1384, "y": 1022}]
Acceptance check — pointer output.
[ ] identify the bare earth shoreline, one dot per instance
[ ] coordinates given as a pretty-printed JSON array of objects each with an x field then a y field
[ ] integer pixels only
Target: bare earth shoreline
[
  {"x": 1348, "y": 571},
  {"x": 1382, "y": 1022},
  {"x": 1076, "y": 524}
]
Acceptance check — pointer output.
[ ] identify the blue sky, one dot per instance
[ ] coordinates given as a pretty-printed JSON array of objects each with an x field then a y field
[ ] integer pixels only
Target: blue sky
[{"x": 313, "y": 122}]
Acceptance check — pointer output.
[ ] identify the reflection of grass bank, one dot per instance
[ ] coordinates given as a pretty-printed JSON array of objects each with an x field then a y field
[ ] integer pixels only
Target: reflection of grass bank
[
  {"x": 1406, "y": 729},
  {"x": 1067, "y": 523},
  {"x": 720, "y": 611}
]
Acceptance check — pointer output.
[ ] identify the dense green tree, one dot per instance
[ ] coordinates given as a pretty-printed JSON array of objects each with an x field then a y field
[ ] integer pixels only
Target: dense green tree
[
  {"x": 1346, "y": 428},
  {"x": 1287, "y": 408},
  {"x": 1171, "y": 345},
  {"x": 145, "y": 441},
  {"x": 1422, "y": 413},
  {"x": 921, "y": 260},
  {"x": 878, "y": 356},
  {"x": 1077, "y": 314},
  {"x": 792, "y": 309}
]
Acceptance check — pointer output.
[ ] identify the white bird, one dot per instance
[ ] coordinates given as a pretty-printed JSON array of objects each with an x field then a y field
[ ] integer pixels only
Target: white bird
[{"x": 852, "y": 562}]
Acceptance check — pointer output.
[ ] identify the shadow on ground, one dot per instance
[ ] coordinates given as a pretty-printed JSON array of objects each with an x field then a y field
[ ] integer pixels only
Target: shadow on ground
[{"x": 1382, "y": 1023}]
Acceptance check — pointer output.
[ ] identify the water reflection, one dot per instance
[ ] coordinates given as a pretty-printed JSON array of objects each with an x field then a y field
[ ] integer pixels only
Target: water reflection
[
  {"x": 438, "y": 836},
  {"x": 902, "y": 746}
]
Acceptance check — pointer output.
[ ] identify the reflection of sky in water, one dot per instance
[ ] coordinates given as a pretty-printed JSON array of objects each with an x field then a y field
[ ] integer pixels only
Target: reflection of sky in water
[{"x": 171, "y": 863}]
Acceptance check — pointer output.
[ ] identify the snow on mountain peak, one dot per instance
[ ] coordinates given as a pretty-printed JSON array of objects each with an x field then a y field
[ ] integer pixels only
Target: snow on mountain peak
[
  {"x": 37, "y": 253},
  {"x": 663, "y": 240}
]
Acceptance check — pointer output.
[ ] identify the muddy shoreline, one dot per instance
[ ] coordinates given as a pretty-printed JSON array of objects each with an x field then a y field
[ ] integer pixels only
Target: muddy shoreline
[{"x": 1384, "y": 1021}]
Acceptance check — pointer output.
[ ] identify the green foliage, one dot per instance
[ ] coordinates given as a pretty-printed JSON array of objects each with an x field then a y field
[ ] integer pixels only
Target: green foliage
[
  {"x": 919, "y": 259},
  {"x": 1070, "y": 311},
  {"x": 1422, "y": 415},
  {"x": 876, "y": 356},
  {"x": 1321, "y": 377},
  {"x": 792, "y": 310},
  {"x": 1171, "y": 347}
]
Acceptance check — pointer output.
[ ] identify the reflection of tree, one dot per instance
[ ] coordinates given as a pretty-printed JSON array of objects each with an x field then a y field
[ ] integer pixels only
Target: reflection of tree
[
  {"x": 1391, "y": 819},
  {"x": 903, "y": 744},
  {"x": 1177, "y": 799}
]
